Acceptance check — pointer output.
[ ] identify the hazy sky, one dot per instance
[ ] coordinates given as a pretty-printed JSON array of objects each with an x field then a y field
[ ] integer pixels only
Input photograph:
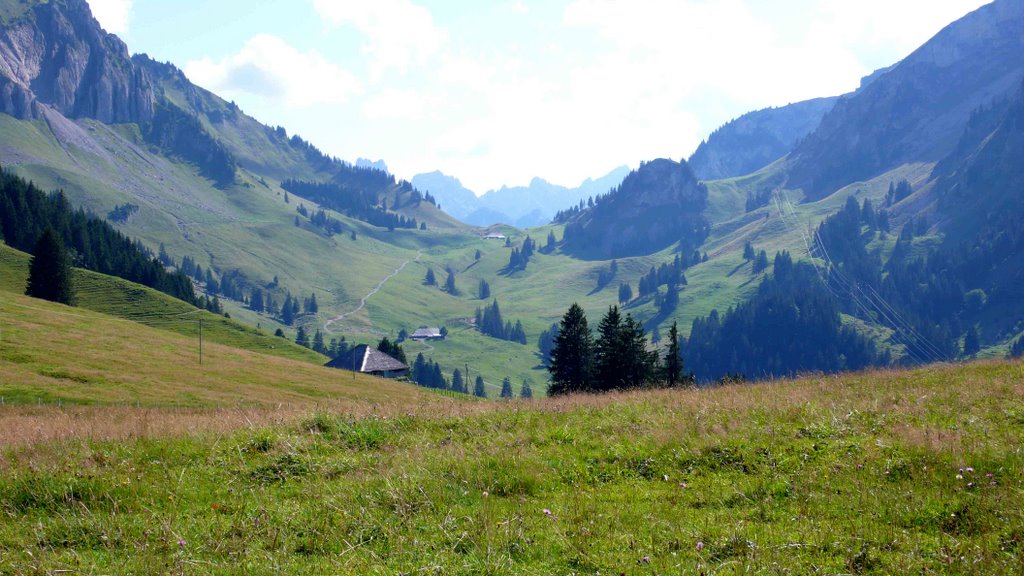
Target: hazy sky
[{"x": 496, "y": 92}]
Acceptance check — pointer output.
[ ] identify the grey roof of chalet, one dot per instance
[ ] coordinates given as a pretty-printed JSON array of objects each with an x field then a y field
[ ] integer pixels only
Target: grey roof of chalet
[
  {"x": 366, "y": 359},
  {"x": 426, "y": 333}
]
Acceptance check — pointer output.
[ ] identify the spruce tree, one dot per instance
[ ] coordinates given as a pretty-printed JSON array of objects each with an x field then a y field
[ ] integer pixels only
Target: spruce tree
[
  {"x": 301, "y": 338},
  {"x": 571, "y": 354},
  {"x": 609, "y": 352},
  {"x": 506, "y": 389},
  {"x": 526, "y": 391},
  {"x": 478, "y": 387},
  {"x": 625, "y": 293},
  {"x": 449, "y": 283},
  {"x": 49, "y": 274},
  {"x": 430, "y": 279},
  {"x": 457, "y": 384},
  {"x": 638, "y": 364},
  {"x": 673, "y": 361},
  {"x": 318, "y": 343}
]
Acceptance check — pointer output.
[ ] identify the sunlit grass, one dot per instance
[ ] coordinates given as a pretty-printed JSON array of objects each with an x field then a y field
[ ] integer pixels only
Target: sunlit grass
[{"x": 884, "y": 472}]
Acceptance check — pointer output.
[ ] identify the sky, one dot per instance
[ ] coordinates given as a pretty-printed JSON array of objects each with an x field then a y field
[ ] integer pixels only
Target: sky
[{"x": 498, "y": 92}]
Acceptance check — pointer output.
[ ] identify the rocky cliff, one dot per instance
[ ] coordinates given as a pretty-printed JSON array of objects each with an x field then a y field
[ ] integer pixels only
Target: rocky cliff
[
  {"x": 917, "y": 111},
  {"x": 55, "y": 54}
]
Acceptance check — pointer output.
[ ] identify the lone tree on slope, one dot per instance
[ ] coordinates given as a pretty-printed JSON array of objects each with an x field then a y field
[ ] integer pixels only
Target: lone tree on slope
[{"x": 49, "y": 275}]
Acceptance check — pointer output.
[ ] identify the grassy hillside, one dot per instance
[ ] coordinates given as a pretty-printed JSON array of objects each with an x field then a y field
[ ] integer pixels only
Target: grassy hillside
[
  {"x": 130, "y": 301},
  {"x": 890, "y": 472},
  {"x": 51, "y": 353}
]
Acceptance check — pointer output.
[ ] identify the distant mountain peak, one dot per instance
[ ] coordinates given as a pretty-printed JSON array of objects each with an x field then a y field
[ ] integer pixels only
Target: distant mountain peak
[
  {"x": 520, "y": 206},
  {"x": 375, "y": 164}
]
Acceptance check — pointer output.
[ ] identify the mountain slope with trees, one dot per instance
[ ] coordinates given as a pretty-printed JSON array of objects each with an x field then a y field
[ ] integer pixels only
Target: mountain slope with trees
[{"x": 659, "y": 204}]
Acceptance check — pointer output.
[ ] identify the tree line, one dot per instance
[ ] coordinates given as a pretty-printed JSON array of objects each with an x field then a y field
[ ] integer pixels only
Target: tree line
[
  {"x": 792, "y": 324},
  {"x": 357, "y": 196},
  {"x": 489, "y": 322},
  {"x": 92, "y": 243},
  {"x": 616, "y": 359}
]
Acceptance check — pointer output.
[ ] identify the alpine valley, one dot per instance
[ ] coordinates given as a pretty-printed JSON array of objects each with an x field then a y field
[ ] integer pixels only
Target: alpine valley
[
  {"x": 224, "y": 351},
  {"x": 884, "y": 227}
]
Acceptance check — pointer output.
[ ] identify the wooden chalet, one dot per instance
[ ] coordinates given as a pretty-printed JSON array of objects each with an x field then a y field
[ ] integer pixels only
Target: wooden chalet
[{"x": 369, "y": 360}]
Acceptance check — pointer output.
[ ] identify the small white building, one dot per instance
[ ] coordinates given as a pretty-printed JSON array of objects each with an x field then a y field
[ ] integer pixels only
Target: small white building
[
  {"x": 427, "y": 334},
  {"x": 494, "y": 236}
]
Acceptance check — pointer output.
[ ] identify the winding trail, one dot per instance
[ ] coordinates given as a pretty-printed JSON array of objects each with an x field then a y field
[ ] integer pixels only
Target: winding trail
[{"x": 362, "y": 301}]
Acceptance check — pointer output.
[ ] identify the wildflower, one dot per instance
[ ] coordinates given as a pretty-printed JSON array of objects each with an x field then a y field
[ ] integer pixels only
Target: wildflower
[
  {"x": 959, "y": 476},
  {"x": 989, "y": 475},
  {"x": 181, "y": 543},
  {"x": 485, "y": 494},
  {"x": 970, "y": 484},
  {"x": 700, "y": 546},
  {"x": 645, "y": 560},
  {"x": 969, "y": 469},
  {"x": 547, "y": 512},
  {"x": 682, "y": 484}
]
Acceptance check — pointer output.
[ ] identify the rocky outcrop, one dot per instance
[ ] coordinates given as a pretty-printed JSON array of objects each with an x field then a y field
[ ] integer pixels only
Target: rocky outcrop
[
  {"x": 757, "y": 139},
  {"x": 657, "y": 205},
  {"x": 57, "y": 55}
]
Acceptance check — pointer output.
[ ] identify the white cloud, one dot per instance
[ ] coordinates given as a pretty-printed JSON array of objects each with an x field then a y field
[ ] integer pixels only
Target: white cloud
[
  {"x": 398, "y": 32},
  {"x": 113, "y": 15},
  {"x": 683, "y": 47},
  {"x": 269, "y": 67},
  {"x": 392, "y": 104}
]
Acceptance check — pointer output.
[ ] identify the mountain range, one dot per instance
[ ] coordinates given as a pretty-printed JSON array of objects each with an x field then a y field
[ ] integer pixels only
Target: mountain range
[
  {"x": 895, "y": 212},
  {"x": 519, "y": 206}
]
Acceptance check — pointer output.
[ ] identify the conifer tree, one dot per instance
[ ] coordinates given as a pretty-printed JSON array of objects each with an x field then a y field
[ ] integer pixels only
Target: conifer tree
[
  {"x": 673, "y": 360},
  {"x": 457, "y": 384},
  {"x": 625, "y": 293},
  {"x": 506, "y": 389},
  {"x": 449, "y": 283},
  {"x": 571, "y": 354},
  {"x": 49, "y": 275},
  {"x": 609, "y": 351},
  {"x": 430, "y": 279},
  {"x": 301, "y": 338},
  {"x": 526, "y": 391},
  {"x": 478, "y": 387}
]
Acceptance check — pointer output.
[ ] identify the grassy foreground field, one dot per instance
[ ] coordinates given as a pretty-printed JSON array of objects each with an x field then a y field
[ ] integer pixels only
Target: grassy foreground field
[{"x": 887, "y": 472}]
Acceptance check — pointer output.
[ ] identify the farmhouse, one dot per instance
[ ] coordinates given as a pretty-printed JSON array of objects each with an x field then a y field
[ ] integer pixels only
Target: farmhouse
[
  {"x": 369, "y": 360},
  {"x": 427, "y": 334},
  {"x": 494, "y": 236}
]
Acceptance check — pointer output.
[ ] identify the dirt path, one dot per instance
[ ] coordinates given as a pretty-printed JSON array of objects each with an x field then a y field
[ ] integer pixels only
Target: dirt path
[{"x": 362, "y": 301}]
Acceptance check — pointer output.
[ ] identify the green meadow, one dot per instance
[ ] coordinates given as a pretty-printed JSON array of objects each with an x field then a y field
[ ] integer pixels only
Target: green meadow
[{"x": 883, "y": 472}]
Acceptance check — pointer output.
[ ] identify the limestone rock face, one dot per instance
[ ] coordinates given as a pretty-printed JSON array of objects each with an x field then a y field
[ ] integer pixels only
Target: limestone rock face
[{"x": 57, "y": 55}]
